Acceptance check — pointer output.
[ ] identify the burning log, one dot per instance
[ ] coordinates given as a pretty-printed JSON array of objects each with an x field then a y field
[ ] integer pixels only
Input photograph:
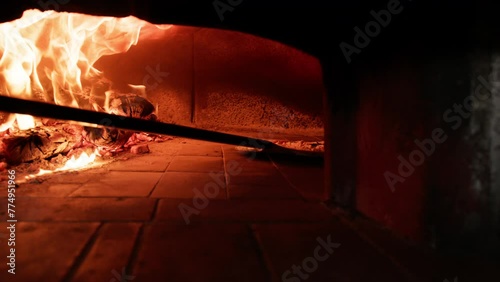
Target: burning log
[
  {"x": 36, "y": 144},
  {"x": 128, "y": 105},
  {"x": 109, "y": 138},
  {"x": 56, "y": 138}
]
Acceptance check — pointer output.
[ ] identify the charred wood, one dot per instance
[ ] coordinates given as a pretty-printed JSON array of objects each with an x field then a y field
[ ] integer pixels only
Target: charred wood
[{"x": 36, "y": 144}]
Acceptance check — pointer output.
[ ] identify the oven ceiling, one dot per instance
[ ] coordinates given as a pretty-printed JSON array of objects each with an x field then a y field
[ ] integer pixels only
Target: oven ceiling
[
  {"x": 292, "y": 22},
  {"x": 316, "y": 27}
]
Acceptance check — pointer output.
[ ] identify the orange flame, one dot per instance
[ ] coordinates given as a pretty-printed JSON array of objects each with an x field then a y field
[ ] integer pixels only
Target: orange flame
[
  {"x": 74, "y": 163},
  {"x": 50, "y": 55},
  {"x": 25, "y": 122}
]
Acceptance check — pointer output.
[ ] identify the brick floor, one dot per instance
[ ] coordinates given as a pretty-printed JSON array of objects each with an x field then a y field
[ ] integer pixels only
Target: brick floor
[
  {"x": 243, "y": 211},
  {"x": 119, "y": 184},
  {"x": 46, "y": 190},
  {"x": 45, "y": 251},
  {"x": 251, "y": 218},
  {"x": 286, "y": 245},
  {"x": 226, "y": 252},
  {"x": 247, "y": 191},
  {"x": 148, "y": 163},
  {"x": 110, "y": 252},
  {"x": 184, "y": 185},
  {"x": 196, "y": 164},
  {"x": 205, "y": 149},
  {"x": 306, "y": 176},
  {"x": 81, "y": 209}
]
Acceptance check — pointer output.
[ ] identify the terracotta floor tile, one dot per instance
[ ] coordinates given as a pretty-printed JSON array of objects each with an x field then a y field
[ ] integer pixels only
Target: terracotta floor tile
[
  {"x": 241, "y": 211},
  {"x": 149, "y": 162},
  {"x": 204, "y": 253},
  {"x": 188, "y": 185},
  {"x": 119, "y": 184},
  {"x": 284, "y": 191},
  {"x": 110, "y": 252},
  {"x": 45, "y": 251},
  {"x": 80, "y": 209},
  {"x": 196, "y": 164},
  {"x": 324, "y": 252},
  {"x": 46, "y": 190}
]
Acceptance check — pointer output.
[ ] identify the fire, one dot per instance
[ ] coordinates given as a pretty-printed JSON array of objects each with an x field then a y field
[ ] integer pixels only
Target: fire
[
  {"x": 50, "y": 56},
  {"x": 74, "y": 163},
  {"x": 25, "y": 122}
]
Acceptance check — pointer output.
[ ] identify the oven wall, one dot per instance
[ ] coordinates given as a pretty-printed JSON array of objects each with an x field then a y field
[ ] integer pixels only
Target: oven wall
[{"x": 222, "y": 79}]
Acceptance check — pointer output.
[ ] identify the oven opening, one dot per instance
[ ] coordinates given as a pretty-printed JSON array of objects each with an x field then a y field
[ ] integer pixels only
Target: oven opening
[
  {"x": 110, "y": 125},
  {"x": 210, "y": 79}
]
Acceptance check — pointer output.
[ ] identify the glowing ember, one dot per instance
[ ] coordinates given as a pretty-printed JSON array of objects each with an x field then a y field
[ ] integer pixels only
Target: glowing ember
[
  {"x": 74, "y": 163},
  {"x": 50, "y": 56},
  {"x": 25, "y": 122}
]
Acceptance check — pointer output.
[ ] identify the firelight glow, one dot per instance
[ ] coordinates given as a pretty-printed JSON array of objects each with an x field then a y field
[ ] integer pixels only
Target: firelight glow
[
  {"x": 25, "y": 122},
  {"x": 74, "y": 163},
  {"x": 48, "y": 53},
  {"x": 81, "y": 161},
  {"x": 50, "y": 56}
]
